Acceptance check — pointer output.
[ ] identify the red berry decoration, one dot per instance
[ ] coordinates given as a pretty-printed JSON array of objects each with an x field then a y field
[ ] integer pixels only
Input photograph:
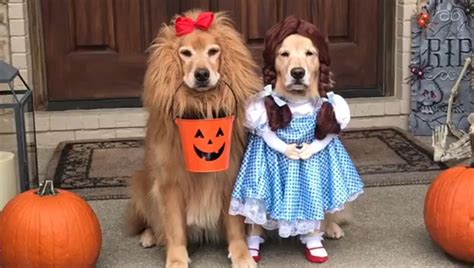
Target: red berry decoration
[{"x": 423, "y": 19}]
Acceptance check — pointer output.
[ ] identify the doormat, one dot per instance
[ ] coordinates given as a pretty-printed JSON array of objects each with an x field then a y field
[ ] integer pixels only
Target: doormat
[{"x": 101, "y": 169}]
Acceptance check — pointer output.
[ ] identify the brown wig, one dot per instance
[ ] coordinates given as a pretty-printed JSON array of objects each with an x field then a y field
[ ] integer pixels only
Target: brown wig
[{"x": 280, "y": 117}]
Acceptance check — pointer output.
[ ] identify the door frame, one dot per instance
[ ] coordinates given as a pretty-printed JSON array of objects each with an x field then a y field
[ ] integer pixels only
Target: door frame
[{"x": 386, "y": 59}]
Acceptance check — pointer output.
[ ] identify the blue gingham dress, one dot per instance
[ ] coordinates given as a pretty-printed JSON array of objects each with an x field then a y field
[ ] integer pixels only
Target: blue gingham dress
[{"x": 293, "y": 195}]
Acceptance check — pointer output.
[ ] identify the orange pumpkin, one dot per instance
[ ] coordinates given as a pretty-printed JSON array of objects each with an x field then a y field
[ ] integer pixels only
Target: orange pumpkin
[
  {"x": 49, "y": 227},
  {"x": 449, "y": 211}
]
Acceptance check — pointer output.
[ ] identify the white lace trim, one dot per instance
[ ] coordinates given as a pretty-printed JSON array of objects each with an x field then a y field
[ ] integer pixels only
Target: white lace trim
[{"x": 255, "y": 212}]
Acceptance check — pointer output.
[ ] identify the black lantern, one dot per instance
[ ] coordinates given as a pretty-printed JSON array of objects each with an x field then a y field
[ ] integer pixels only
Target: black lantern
[{"x": 18, "y": 124}]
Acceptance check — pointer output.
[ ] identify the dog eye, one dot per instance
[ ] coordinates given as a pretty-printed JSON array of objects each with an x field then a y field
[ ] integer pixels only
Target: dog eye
[
  {"x": 309, "y": 53},
  {"x": 285, "y": 54},
  {"x": 186, "y": 53},
  {"x": 213, "y": 51}
]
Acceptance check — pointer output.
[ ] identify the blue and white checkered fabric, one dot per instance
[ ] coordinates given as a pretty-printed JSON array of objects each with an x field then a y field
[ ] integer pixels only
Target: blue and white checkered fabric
[{"x": 293, "y": 191}]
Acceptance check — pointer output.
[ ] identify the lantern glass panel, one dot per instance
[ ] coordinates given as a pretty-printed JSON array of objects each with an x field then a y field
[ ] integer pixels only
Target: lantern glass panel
[{"x": 8, "y": 139}]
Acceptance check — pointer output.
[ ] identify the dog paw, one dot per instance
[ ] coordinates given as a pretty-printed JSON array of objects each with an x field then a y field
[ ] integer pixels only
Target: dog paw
[
  {"x": 177, "y": 264},
  {"x": 244, "y": 263},
  {"x": 147, "y": 239},
  {"x": 177, "y": 257},
  {"x": 240, "y": 256},
  {"x": 334, "y": 231}
]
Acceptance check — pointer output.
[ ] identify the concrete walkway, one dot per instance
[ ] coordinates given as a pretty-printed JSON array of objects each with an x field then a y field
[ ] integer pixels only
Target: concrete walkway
[{"x": 388, "y": 230}]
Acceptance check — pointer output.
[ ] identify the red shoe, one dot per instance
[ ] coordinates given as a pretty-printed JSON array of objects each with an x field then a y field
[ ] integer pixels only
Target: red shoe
[
  {"x": 258, "y": 257},
  {"x": 315, "y": 259}
]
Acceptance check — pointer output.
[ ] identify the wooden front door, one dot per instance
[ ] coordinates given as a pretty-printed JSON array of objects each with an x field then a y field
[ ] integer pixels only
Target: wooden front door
[{"x": 96, "y": 49}]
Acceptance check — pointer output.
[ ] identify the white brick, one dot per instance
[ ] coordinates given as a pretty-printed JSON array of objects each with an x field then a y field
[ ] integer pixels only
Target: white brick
[
  {"x": 404, "y": 29},
  {"x": 58, "y": 121},
  {"x": 392, "y": 108},
  {"x": 130, "y": 132},
  {"x": 403, "y": 59},
  {"x": 405, "y": 106},
  {"x": 408, "y": 1},
  {"x": 17, "y": 10},
  {"x": 403, "y": 44},
  {"x": 356, "y": 111},
  {"x": 406, "y": 11},
  {"x": 404, "y": 73},
  {"x": 65, "y": 121},
  {"x": 107, "y": 120},
  {"x": 20, "y": 60},
  {"x": 369, "y": 109},
  {"x": 90, "y": 121},
  {"x": 95, "y": 134},
  {"x": 406, "y": 91},
  {"x": 42, "y": 121},
  {"x": 18, "y": 44},
  {"x": 380, "y": 121},
  {"x": 18, "y": 27},
  {"x": 125, "y": 120},
  {"x": 74, "y": 123},
  {"x": 52, "y": 138},
  {"x": 26, "y": 76}
]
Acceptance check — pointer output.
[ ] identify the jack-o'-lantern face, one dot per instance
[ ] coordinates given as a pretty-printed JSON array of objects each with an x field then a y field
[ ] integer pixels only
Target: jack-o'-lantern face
[{"x": 209, "y": 145}]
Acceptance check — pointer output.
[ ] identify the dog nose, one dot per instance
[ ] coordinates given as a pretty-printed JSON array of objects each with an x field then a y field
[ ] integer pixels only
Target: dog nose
[
  {"x": 201, "y": 74},
  {"x": 297, "y": 73}
]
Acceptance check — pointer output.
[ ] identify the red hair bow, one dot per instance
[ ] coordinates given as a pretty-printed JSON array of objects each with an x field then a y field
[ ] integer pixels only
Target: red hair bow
[{"x": 185, "y": 25}]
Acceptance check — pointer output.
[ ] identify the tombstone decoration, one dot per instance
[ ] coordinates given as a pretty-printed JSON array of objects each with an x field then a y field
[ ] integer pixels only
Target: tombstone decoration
[{"x": 442, "y": 38}]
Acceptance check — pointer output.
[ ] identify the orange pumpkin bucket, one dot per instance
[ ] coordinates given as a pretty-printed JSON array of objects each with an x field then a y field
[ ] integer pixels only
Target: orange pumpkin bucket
[{"x": 206, "y": 143}]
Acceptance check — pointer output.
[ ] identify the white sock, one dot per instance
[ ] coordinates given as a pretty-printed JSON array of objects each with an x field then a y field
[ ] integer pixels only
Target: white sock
[
  {"x": 314, "y": 241},
  {"x": 253, "y": 242}
]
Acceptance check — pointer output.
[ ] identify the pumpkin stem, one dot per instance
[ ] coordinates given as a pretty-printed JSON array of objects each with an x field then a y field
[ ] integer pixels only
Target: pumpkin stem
[{"x": 46, "y": 188}]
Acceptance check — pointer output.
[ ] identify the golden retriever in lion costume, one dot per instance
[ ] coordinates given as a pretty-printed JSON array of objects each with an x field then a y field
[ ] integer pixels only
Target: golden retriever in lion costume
[{"x": 194, "y": 65}]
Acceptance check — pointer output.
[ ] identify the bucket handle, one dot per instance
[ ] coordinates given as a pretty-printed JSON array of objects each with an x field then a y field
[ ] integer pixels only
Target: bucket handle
[{"x": 221, "y": 80}]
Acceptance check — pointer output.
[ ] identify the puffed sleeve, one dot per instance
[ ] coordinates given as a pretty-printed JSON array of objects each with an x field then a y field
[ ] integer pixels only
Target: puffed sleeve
[
  {"x": 341, "y": 110},
  {"x": 256, "y": 116}
]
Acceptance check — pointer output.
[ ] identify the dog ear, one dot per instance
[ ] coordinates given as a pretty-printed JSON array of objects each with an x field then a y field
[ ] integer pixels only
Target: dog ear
[
  {"x": 164, "y": 72},
  {"x": 237, "y": 66}
]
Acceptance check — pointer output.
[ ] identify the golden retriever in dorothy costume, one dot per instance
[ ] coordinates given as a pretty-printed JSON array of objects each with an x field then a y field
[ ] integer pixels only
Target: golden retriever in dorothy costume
[
  {"x": 194, "y": 65},
  {"x": 296, "y": 172}
]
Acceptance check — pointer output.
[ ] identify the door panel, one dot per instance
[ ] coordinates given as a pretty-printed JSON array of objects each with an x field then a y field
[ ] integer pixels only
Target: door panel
[
  {"x": 92, "y": 29},
  {"x": 352, "y": 28},
  {"x": 96, "y": 49},
  {"x": 99, "y": 53}
]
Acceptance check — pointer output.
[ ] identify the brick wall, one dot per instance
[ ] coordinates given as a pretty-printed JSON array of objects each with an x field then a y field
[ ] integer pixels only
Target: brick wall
[
  {"x": 19, "y": 40},
  {"x": 405, "y": 10},
  {"x": 4, "y": 36}
]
